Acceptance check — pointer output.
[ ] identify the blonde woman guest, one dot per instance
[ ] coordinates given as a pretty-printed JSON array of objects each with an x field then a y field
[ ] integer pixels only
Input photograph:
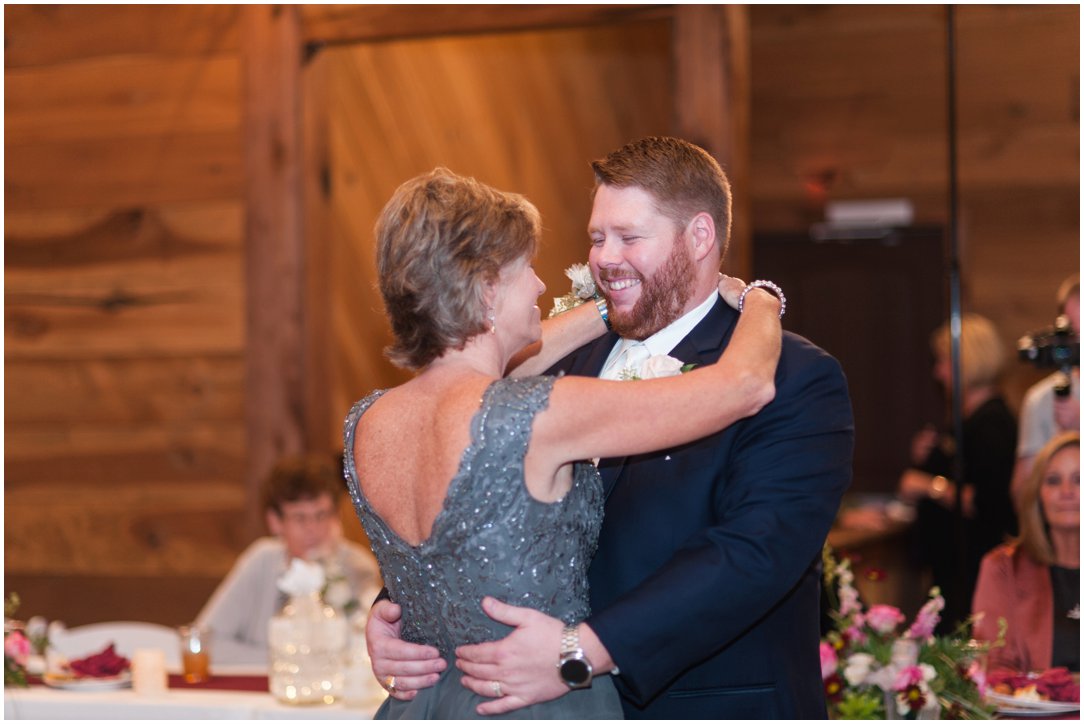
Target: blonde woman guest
[
  {"x": 988, "y": 449},
  {"x": 1034, "y": 582}
]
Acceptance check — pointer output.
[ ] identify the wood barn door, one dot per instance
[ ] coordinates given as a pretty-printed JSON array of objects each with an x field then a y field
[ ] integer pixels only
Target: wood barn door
[{"x": 523, "y": 111}]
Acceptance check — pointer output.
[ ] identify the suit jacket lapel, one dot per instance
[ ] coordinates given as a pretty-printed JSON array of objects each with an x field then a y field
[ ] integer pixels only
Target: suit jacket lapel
[{"x": 701, "y": 346}]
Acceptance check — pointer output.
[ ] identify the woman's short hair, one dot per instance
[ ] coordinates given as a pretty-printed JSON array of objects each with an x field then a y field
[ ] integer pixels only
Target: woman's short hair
[
  {"x": 440, "y": 239},
  {"x": 302, "y": 477},
  {"x": 982, "y": 353},
  {"x": 1034, "y": 532},
  {"x": 683, "y": 178}
]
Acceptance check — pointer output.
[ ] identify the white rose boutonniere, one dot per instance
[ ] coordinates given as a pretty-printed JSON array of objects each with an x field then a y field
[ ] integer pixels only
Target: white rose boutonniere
[
  {"x": 583, "y": 288},
  {"x": 656, "y": 366}
]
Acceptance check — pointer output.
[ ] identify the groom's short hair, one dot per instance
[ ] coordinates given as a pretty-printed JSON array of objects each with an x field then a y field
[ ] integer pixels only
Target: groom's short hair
[{"x": 684, "y": 179}]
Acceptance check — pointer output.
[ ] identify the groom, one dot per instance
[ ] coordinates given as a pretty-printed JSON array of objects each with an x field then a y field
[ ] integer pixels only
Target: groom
[{"x": 705, "y": 587}]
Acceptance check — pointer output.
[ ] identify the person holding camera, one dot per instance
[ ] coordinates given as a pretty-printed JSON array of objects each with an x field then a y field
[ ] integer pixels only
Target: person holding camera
[{"x": 1052, "y": 405}]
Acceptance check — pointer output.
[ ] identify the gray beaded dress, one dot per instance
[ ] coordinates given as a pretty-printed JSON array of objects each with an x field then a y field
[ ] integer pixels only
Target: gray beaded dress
[{"x": 491, "y": 538}]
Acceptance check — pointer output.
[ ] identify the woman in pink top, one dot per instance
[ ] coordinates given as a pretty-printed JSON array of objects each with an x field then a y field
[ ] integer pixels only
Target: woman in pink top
[{"x": 1034, "y": 583}]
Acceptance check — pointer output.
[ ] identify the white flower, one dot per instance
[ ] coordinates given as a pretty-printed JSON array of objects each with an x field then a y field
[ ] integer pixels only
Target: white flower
[
  {"x": 660, "y": 365},
  {"x": 583, "y": 284},
  {"x": 302, "y": 578},
  {"x": 338, "y": 594},
  {"x": 858, "y": 668},
  {"x": 883, "y": 678}
]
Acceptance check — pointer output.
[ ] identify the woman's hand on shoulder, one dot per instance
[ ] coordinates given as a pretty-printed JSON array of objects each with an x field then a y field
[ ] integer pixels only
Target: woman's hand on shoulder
[{"x": 730, "y": 289}]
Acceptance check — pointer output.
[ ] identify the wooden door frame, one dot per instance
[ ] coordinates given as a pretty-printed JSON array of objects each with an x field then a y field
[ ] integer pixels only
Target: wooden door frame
[{"x": 286, "y": 198}]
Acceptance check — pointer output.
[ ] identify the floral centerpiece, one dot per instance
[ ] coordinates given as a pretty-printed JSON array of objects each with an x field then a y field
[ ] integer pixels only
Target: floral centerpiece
[
  {"x": 875, "y": 668},
  {"x": 16, "y": 645}
]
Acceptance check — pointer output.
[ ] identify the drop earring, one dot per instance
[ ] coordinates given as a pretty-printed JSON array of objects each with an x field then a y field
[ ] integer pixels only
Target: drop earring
[{"x": 492, "y": 317}]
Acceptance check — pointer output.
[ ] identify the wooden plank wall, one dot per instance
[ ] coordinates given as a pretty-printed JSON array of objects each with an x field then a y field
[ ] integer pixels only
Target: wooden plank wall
[
  {"x": 124, "y": 308},
  {"x": 125, "y": 207}
]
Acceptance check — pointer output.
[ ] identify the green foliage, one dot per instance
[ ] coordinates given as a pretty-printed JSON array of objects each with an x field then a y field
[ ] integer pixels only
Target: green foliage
[{"x": 860, "y": 705}]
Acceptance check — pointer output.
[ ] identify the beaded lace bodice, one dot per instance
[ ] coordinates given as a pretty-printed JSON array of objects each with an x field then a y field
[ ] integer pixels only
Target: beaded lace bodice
[{"x": 491, "y": 537}]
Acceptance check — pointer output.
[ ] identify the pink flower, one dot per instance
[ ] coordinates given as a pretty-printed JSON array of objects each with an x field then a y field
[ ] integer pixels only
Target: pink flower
[
  {"x": 884, "y": 619},
  {"x": 829, "y": 660},
  {"x": 17, "y": 647},
  {"x": 912, "y": 691},
  {"x": 855, "y": 635},
  {"x": 927, "y": 619},
  {"x": 977, "y": 673},
  {"x": 908, "y": 676},
  {"x": 848, "y": 601}
]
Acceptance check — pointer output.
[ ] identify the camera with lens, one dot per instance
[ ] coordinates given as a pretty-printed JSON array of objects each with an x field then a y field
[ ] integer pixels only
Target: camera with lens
[{"x": 1052, "y": 347}]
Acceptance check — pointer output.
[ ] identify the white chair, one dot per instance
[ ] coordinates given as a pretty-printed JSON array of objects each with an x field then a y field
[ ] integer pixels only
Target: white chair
[{"x": 80, "y": 641}]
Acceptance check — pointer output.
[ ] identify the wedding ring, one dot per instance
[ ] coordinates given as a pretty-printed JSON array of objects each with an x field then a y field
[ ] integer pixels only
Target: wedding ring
[
  {"x": 389, "y": 684},
  {"x": 497, "y": 689}
]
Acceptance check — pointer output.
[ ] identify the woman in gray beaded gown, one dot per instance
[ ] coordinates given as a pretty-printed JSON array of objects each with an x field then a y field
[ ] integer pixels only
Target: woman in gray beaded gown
[{"x": 470, "y": 484}]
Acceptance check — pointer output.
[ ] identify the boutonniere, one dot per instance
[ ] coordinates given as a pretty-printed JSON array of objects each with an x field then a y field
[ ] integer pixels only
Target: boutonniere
[
  {"x": 583, "y": 288},
  {"x": 656, "y": 366}
]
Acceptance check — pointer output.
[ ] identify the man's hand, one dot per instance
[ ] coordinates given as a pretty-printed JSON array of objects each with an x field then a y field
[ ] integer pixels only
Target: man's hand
[
  {"x": 524, "y": 663},
  {"x": 413, "y": 666}
]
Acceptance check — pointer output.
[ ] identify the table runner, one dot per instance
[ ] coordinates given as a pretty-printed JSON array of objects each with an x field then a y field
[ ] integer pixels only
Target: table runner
[{"x": 220, "y": 682}]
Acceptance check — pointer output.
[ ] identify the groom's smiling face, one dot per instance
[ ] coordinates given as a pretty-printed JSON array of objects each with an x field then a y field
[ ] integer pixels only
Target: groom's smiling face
[{"x": 640, "y": 260}]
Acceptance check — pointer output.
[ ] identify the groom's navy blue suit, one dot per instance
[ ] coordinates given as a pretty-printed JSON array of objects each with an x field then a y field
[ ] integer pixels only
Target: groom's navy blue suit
[{"x": 705, "y": 588}]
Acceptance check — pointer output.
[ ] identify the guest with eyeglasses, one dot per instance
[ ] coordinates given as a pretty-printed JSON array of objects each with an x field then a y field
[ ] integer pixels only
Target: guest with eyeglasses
[{"x": 300, "y": 500}]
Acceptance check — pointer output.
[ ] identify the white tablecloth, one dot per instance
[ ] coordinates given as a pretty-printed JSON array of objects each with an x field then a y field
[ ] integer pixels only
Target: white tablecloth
[{"x": 42, "y": 702}]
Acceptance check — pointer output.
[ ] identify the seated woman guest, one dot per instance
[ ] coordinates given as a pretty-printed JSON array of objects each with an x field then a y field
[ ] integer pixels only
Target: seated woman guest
[
  {"x": 471, "y": 484},
  {"x": 300, "y": 500},
  {"x": 1034, "y": 583}
]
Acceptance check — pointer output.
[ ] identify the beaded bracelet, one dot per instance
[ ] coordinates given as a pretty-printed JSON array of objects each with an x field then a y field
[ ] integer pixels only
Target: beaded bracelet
[
  {"x": 767, "y": 286},
  {"x": 603, "y": 311}
]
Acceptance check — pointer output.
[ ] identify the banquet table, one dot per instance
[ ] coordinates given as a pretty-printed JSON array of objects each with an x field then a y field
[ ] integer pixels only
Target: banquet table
[{"x": 224, "y": 697}]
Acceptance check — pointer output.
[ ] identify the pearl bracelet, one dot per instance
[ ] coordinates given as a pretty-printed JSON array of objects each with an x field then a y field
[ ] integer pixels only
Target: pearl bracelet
[{"x": 767, "y": 286}]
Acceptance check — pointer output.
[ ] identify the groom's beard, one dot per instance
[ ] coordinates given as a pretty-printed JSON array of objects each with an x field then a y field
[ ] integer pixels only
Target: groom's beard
[{"x": 662, "y": 297}]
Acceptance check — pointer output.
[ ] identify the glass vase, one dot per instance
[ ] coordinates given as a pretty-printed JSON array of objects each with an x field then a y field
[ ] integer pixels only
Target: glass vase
[{"x": 307, "y": 642}]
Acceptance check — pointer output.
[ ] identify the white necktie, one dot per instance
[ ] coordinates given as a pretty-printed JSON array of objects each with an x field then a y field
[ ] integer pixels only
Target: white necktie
[{"x": 628, "y": 360}]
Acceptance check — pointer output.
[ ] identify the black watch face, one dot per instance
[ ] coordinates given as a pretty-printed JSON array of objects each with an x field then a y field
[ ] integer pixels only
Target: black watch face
[{"x": 575, "y": 671}]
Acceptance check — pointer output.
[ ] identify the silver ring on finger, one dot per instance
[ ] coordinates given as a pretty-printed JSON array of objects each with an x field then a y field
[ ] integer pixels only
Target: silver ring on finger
[{"x": 497, "y": 689}]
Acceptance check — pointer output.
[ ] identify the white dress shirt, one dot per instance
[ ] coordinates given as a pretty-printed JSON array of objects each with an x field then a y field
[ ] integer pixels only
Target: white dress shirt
[{"x": 660, "y": 343}]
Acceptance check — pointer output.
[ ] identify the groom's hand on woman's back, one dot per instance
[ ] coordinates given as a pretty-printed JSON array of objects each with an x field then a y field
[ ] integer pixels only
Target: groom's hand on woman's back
[
  {"x": 413, "y": 666},
  {"x": 524, "y": 662}
]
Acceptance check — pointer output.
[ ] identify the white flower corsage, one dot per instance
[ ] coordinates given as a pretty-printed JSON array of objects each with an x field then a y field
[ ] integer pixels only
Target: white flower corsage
[
  {"x": 656, "y": 366},
  {"x": 583, "y": 288}
]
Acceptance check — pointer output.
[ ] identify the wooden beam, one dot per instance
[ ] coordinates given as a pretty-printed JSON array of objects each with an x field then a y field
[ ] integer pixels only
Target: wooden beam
[
  {"x": 712, "y": 102},
  {"x": 316, "y": 190},
  {"x": 274, "y": 253},
  {"x": 366, "y": 23}
]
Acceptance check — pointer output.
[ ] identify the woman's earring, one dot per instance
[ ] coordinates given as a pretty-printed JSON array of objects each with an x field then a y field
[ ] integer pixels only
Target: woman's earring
[{"x": 492, "y": 317}]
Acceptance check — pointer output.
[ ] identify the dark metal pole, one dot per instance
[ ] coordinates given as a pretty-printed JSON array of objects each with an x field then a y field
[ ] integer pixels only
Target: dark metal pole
[{"x": 953, "y": 264}]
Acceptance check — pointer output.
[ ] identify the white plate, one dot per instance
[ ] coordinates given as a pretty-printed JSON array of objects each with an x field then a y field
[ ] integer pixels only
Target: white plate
[
  {"x": 88, "y": 683},
  {"x": 1022, "y": 707}
]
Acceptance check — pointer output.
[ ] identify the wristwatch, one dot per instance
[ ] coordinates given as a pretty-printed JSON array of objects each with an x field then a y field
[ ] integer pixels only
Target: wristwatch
[{"x": 573, "y": 666}]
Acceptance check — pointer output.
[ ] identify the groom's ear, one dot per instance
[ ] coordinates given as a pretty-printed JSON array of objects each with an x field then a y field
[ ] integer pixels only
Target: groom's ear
[{"x": 701, "y": 229}]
